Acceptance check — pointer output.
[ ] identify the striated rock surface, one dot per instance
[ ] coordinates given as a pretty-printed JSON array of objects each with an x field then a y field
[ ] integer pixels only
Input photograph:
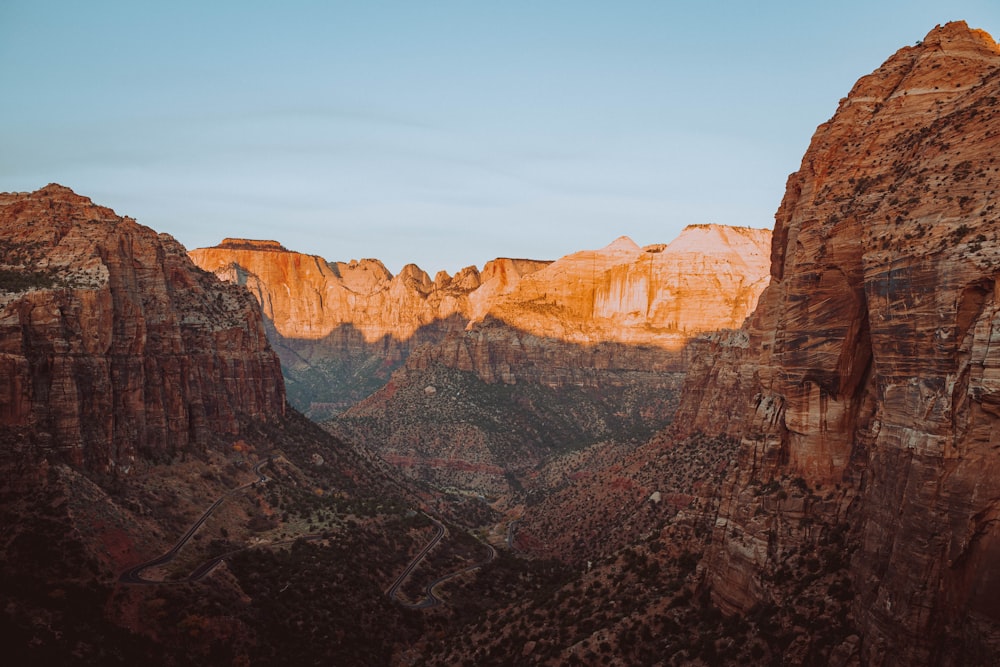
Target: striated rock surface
[
  {"x": 708, "y": 278},
  {"x": 874, "y": 351},
  {"x": 720, "y": 382},
  {"x": 342, "y": 328},
  {"x": 584, "y": 350},
  {"x": 113, "y": 345},
  {"x": 308, "y": 298}
]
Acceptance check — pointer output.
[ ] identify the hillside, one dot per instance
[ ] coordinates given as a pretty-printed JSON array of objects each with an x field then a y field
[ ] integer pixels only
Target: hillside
[{"x": 139, "y": 396}]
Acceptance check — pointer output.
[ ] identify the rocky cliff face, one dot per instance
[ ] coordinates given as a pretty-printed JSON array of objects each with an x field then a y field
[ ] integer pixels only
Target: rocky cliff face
[
  {"x": 308, "y": 298},
  {"x": 586, "y": 349},
  {"x": 874, "y": 351},
  {"x": 342, "y": 328},
  {"x": 708, "y": 278},
  {"x": 113, "y": 345}
]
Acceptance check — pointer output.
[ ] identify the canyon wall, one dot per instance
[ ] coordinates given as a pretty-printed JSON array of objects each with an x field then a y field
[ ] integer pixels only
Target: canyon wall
[
  {"x": 468, "y": 381},
  {"x": 114, "y": 347},
  {"x": 342, "y": 328},
  {"x": 708, "y": 278},
  {"x": 874, "y": 366}
]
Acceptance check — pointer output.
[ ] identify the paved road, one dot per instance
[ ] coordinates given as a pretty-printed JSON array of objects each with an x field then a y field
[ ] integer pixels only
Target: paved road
[
  {"x": 431, "y": 600},
  {"x": 133, "y": 575},
  {"x": 394, "y": 589},
  {"x": 511, "y": 527}
]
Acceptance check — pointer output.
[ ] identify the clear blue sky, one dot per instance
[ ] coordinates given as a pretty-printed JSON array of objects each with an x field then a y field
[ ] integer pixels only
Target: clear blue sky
[{"x": 440, "y": 133}]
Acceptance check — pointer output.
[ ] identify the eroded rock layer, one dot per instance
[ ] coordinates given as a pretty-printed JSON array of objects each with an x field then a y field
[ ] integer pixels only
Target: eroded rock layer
[
  {"x": 342, "y": 328},
  {"x": 707, "y": 278},
  {"x": 877, "y": 375},
  {"x": 113, "y": 345}
]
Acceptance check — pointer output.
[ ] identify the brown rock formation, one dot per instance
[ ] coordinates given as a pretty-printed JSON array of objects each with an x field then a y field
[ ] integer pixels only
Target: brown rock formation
[
  {"x": 355, "y": 320},
  {"x": 308, "y": 298},
  {"x": 113, "y": 345},
  {"x": 342, "y": 328},
  {"x": 874, "y": 348},
  {"x": 708, "y": 278}
]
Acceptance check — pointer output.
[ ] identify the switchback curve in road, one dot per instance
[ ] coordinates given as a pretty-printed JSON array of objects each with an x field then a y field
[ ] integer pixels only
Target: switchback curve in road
[
  {"x": 430, "y": 600},
  {"x": 133, "y": 575}
]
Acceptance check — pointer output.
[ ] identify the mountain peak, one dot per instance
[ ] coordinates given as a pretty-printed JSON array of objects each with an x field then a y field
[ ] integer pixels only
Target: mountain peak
[
  {"x": 95, "y": 324},
  {"x": 949, "y": 61},
  {"x": 622, "y": 243},
  {"x": 55, "y": 188},
  {"x": 52, "y": 191},
  {"x": 957, "y": 32}
]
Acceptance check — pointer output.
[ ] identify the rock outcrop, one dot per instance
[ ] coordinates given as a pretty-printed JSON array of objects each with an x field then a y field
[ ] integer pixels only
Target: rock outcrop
[
  {"x": 342, "y": 328},
  {"x": 708, "y": 278},
  {"x": 877, "y": 375},
  {"x": 113, "y": 345}
]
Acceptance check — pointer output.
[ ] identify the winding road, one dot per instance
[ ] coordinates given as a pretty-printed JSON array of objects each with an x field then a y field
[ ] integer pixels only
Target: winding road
[
  {"x": 511, "y": 527},
  {"x": 431, "y": 600},
  {"x": 133, "y": 575},
  {"x": 393, "y": 590}
]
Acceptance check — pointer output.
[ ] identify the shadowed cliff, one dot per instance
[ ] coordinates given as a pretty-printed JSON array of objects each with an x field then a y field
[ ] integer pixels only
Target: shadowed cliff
[
  {"x": 114, "y": 345},
  {"x": 868, "y": 373}
]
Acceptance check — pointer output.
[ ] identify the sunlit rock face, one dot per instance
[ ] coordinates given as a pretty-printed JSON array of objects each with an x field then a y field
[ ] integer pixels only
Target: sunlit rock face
[
  {"x": 874, "y": 349},
  {"x": 113, "y": 345},
  {"x": 708, "y": 278},
  {"x": 308, "y": 298},
  {"x": 342, "y": 328},
  {"x": 337, "y": 323}
]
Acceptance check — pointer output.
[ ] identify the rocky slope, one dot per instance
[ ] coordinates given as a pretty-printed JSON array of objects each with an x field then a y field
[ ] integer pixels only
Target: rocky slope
[
  {"x": 451, "y": 428},
  {"x": 585, "y": 350},
  {"x": 113, "y": 345},
  {"x": 874, "y": 366},
  {"x": 342, "y": 328},
  {"x": 137, "y": 393}
]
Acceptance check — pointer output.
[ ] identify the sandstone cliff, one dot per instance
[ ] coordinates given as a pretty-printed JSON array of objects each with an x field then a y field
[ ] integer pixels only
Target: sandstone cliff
[
  {"x": 874, "y": 351},
  {"x": 308, "y": 298},
  {"x": 113, "y": 345},
  {"x": 342, "y": 328},
  {"x": 584, "y": 350},
  {"x": 708, "y": 278}
]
